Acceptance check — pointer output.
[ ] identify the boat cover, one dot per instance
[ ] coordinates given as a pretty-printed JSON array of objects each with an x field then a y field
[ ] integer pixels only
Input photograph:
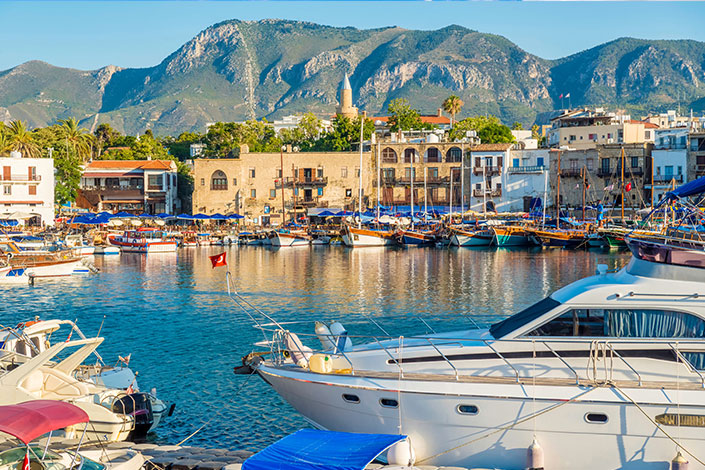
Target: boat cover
[
  {"x": 688, "y": 189},
  {"x": 310, "y": 449},
  {"x": 31, "y": 419}
]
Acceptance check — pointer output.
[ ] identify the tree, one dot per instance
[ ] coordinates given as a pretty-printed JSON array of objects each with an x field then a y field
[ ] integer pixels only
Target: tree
[
  {"x": 21, "y": 140},
  {"x": 79, "y": 139},
  {"x": 345, "y": 135},
  {"x": 517, "y": 126},
  {"x": 104, "y": 135},
  {"x": 4, "y": 143},
  {"x": 453, "y": 104},
  {"x": 403, "y": 117},
  {"x": 495, "y": 134},
  {"x": 489, "y": 129}
]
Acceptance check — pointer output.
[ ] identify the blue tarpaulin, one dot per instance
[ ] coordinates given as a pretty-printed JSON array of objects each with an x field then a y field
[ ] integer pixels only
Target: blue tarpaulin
[{"x": 310, "y": 449}]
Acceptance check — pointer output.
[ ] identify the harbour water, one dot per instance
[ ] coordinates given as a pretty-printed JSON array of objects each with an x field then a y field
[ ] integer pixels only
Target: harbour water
[{"x": 172, "y": 313}]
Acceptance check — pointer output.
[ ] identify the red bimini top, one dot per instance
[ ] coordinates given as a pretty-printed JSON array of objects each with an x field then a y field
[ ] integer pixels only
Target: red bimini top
[{"x": 31, "y": 419}]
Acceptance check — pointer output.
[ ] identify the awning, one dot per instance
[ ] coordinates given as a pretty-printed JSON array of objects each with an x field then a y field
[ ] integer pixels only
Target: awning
[
  {"x": 31, "y": 419},
  {"x": 310, "y": 449}
]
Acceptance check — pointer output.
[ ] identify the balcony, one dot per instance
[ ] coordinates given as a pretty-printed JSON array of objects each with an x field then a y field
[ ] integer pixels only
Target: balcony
[
  {"x": 571, "y": 173},
  {"x": 113, "y": 192},
  {"x": 487, "y": 170},
  {"x": 604, "y": 172},
  {"x": 487, "y": 193},
  {"x": 21, "y": 179},
  {"x": 290, "y": 181},
  {"x": 526, "y": 169},
  {"x": 305, "y": 203},
  {"x": 419, "y": 180},
  {"x": 667, "y": 178}
]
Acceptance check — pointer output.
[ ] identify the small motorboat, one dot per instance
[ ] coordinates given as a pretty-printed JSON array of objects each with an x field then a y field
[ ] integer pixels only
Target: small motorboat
[
  {"x": 357, "y": 237},
  {"x": 144, "y": 240}
]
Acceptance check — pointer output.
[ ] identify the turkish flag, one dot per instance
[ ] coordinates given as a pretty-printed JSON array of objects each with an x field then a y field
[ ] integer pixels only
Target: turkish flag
[
  {"x": 218, "y": 260},
  {"x": 628, "y": 187},
  {"x": 25, "y": 462}
]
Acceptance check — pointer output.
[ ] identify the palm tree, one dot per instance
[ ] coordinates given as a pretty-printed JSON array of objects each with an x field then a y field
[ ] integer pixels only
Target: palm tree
[
  {"x": 76, "y": 137},
  {"x": 453, "y": 104},
  {"x": 20, "y": 139},
  {"x": 4, "y": 141}
]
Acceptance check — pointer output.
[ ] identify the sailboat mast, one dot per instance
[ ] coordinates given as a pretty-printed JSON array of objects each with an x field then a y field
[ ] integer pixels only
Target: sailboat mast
[
  {"x": 450, "y": 197},
  {"x": 379, "y": 179},
  {"x": 281, "y": 178},
  {"x": 359, "y": 207},
  {"x": 622, "y": 180},
  {"x": 582, "y": 173},
  {"x": 425, "y": 195},
  {"x": 558, "y": 192},
  {"x": 462, "y": 182},
  {"x": 411, "y": 178},
  {"x": 545, "y": 198},
  {"x": 484, "y": 191}
]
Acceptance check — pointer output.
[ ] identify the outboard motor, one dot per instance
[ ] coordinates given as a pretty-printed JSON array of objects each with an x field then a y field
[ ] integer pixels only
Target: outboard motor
[{"x": 139, "y": 406}]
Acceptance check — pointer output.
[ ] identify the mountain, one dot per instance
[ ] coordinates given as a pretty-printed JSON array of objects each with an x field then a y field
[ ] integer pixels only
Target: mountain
[{"x": 237, "y": 70}]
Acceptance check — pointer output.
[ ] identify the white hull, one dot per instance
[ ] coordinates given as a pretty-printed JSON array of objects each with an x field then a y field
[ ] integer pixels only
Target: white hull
[
  {"x": 8, "y": 275},
  {"x": 55, "y": 270},
  {"x": 429, "y": 415},
  {"x": 106, "y": 250},
  {"x": 360, "y": 239},
  {"x": 83, "y": 250},
  {"x": 158, "y": 247},
  {"x": 466, "y": 240},
  {"x": 287, "y": 239}
]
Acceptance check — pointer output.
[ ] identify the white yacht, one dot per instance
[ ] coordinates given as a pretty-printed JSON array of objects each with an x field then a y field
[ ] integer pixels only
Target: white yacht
[{"x": 607, "y": 372}]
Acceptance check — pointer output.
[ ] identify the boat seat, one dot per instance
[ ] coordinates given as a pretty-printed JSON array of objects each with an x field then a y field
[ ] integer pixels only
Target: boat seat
[
  {"x": 34, "y": 383},
  {"x": 60, "y": 386}
]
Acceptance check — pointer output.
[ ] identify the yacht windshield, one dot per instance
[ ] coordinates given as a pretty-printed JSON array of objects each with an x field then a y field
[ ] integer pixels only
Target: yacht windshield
[{"x": 503, "y": 328}]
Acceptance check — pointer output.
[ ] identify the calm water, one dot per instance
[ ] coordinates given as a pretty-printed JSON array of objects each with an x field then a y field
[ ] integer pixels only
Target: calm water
[{"x": 172, "y": 313}]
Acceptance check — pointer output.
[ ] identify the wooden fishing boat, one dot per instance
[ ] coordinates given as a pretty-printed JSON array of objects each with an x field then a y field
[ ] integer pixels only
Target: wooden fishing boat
[
  {"x": 290, "y": 239},
  {"x": 416, "y": 237},
  {"x": 357, "y": 237},
  {"x": 460, "y": 237},
  {"x": 558, "y": 238},
  {"x": 510, "y": 235}
]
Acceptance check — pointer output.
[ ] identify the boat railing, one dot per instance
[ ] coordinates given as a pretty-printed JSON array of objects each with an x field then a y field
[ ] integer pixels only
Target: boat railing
[{"x": 601, "y": 354}]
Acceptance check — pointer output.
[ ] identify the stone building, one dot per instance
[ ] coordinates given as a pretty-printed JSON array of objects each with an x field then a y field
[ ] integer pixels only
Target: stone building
[
  {"x": 637, "y": 171},
  {"x": 696, "y": 154},
  {"x": 579, "y": 169},
  {"x": 252, "y": 184},
  {"x": 346, "y": 108}
]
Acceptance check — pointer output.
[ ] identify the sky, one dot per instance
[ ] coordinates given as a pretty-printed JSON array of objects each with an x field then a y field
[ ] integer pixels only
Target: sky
[{"x": 90, "y": 34}]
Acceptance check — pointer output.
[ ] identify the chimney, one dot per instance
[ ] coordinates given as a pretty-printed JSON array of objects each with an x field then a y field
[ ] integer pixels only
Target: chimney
[{"x": 440, "y": 112}]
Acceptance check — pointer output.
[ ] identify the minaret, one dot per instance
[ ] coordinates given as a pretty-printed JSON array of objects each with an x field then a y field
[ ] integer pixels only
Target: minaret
[{"x": 346, "y": 109}]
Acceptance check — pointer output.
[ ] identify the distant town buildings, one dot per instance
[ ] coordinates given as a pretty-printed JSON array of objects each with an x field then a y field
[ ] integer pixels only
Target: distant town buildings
[
  {"x": 587, "y": 128},
  {"x": 27, "y": 190},
  {"x": 134, "y": 186}
]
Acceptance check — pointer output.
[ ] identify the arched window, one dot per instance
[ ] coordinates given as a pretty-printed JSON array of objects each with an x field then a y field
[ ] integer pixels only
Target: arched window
[
  {"x": 410, "y": 156},
  {"x": 454, "y": 155},
  {"x": 219, "y": 182},
  {"x": 433, "y": 155},
  {"x": 389, "y": 155}
]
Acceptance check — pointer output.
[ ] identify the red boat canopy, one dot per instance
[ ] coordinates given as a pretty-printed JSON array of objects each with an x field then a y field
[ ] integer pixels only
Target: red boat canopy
[{"x": 31, "y": 419}]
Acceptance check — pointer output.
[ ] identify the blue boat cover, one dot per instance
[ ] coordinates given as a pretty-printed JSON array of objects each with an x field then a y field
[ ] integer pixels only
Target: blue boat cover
[
  {"x": 688, "y": 189},
  {"x": 310, "y": 449}
]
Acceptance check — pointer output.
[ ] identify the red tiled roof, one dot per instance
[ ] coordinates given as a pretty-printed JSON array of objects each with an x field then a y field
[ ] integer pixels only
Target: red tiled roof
[
  {"x": 130, "y": 165},
  {"x": 429, "y": 119},
  {"x": 647, "y": 125}
]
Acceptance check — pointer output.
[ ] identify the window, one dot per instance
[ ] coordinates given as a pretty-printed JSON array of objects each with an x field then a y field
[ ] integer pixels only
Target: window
[
  {"x": 389, "y": 402},
  {"x": 647, "y": 135},
  {"x": 637, "y": 323},
  {"x": 253, "y": 193},
  {"x": 350, "y": 398},
  {"x": 596, "y": 418},
  {"x": 33, "y": 173},
  {"x": 219, "y": 182},
  {"x": 319, "y": 173},
  {"x": 272, "y": 194},
  {"x": 515, "y": 162},
  {"x": 539, "y": 161},
  {"x": 278, "y": 173},
  {"x": 498, "y": 186},
  {"x": 454, "y": 155},
  {"x": 680, "y": 170},
  {"x": 478, "y": 162},
  {"x": 7, "y": 190},
  {"x": 343, "y": 172},
  {"x": 388, "y": 174},
  {"x": 592, "y": 136},
  {"x": 432, "y": 173},
  {"x": 605, "y": 164},
  {"x": 581, "y": 137},
  {"x": 467, "y": 409},
  {"x": 252, "y": 172},
  {"x": 635, "y": 162},
  {"x": 32, "y": 190},
  {"x": 348, "y": 193},
  {"x": 320, "y": 191},
  {"x": 572, "y": 137},
  {"x": 203, "y": 181},
  {"x": 590, "y": 164},
  {"x": 529, "y": 314},
  {"x": 296, "y": 191},
  {"x": 433, "y": 155},
  {"x": 357, "y": 172},
  {"x": 389, "y": 155},
  {"x": 478, "y": 187},
  {"x": 234, "y": 181},
  {"x": 408, "y": 172},
  {"x": 154, "y": 182}
]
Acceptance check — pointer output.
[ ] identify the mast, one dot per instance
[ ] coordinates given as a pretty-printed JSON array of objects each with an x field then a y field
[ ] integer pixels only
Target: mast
[
  {"x": 359, "y": 207},
  {"x": 281, "y": 177},
  {"x": 379, "y": 179},
  {"x": 652, "y": 181},
  {"x": 411, "y": 193},
  {"x": 558, "y": 192},
  {"x": 462, "y": 182},
  {"x": 622, "y": 181},
  {"x": 545, "y": 197},
  {"x": 582, "y": 173},
  {"x": 293, "y": 172},
  {"x": 425, "y": 195},
  {"x": 484, "y": 191},
  {"x": 450, "y": 197}
]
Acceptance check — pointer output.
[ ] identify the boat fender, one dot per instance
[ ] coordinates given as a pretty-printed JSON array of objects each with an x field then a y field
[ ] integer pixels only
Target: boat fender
[
  {"x": 534, "y": 456},
  {"x": 340, "y": 336},
  {"x": 402, "y": 454},
  {"x": 325, "y": 336},
  {"x": 679, "y": 462},
  {"x": 321, "y": 364},
  {"x": 299, "y": 353}
]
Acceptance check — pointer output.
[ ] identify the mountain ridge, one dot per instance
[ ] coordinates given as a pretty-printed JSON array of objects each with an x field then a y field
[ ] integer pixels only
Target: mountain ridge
[{"x": 235, "y": 70}]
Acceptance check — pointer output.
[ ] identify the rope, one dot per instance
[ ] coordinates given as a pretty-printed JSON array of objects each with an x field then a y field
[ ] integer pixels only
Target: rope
[
  {"x": 507, "y": 428},
  {"x": 658, "y": 426}
]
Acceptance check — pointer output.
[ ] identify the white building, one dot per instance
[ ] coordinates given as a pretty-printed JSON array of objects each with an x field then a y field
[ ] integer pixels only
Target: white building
[
  {"x": 27, "y": 190},
  {"x": 506, "y": 180},
  {"x": 670, "y": 159},
  {"x": 525, "y": 139},
  {"x": 196, "y": 150}
]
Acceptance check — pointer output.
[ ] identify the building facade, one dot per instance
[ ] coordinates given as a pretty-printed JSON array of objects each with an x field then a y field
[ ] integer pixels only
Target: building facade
[
  {"x": 670, "y": 160},
  {"x": 134, "y": 186},
  {"x": 27, "y": 189},
  {"x": 579, "y": 174},
  {"x": 636, "y": 163},
  {"x": 696, "y": 154},
  {"x": 585, "y": 128},
  {"x": 253, "y": 185}
]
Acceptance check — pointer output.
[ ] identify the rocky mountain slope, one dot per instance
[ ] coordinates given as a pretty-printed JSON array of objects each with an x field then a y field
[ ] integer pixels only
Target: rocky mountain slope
[{"x": 236, "y": 70}]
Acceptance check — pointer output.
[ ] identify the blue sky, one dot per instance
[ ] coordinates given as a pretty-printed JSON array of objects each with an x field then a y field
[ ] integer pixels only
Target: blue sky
[{"x": 91, "y": 34}]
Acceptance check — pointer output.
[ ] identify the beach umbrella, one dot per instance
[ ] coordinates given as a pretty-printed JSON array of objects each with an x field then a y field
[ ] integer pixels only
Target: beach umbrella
[
  {"x": 184, "y": 217},
  {"x": 324, "y": 214},
  {"x": 144, "y": 215},
  {"x": 122, "y": 215},
  {"x": 235, "y": 216},
  {"x": 164, "y": 215},
  {"x": 200, "y": 216},
  {"x": 218, "y": 216}
]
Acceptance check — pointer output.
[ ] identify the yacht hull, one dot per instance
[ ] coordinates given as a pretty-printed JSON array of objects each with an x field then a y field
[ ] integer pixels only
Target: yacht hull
[
  {"x": 289, "y": 239},
  {"x": 499, "y": 433},
  {"x": 362, "y": 237}
]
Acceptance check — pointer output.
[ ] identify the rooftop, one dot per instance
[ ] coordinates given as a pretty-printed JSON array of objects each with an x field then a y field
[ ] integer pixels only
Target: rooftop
[{"x": 131, "y": 165}]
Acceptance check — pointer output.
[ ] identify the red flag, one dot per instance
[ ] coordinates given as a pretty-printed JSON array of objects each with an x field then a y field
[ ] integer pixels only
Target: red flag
[
  {"x": 561, "y": 95},
  {"x": 218, "y": 260},
  {"x": 25, "y": 462},
  {"x": 628, "y": 187}
]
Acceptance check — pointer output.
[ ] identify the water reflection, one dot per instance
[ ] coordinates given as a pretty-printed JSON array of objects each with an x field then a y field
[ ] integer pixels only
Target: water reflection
[{"x": 171, "y": 311}]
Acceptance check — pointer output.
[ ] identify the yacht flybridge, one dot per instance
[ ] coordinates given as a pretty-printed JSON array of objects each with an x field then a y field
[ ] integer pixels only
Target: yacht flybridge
[{"x": 607, "y": 372}]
